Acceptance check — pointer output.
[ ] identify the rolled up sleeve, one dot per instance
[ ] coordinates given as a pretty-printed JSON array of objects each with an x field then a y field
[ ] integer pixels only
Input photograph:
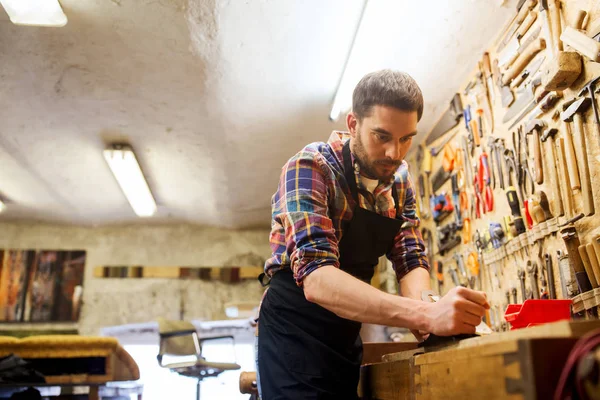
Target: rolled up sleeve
[
  {"x": 300, "y": 207},
  {"x": 408, "y": 251}
]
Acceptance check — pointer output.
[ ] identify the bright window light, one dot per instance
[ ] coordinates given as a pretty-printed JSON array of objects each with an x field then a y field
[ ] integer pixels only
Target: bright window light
[
  {"x": 2, "y": 206},
  {"x": 35, "y": 12},
  {"x": 127, "y": 171}
]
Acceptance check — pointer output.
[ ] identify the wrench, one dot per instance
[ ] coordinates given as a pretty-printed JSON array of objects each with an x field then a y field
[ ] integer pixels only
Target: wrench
[
  {"x": 532, "y": 271},
  {"x": 499, "y": 151},
  {"x": 550, "y": 276},
  {"x": 521, "y": 275}
]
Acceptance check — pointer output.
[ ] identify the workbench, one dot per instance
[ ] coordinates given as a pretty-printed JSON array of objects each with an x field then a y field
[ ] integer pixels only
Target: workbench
[{"x": 519, "y": 364}]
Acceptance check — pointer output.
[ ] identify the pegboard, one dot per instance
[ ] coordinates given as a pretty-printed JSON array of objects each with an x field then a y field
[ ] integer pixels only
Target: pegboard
[{"x": 499, "y": 267}]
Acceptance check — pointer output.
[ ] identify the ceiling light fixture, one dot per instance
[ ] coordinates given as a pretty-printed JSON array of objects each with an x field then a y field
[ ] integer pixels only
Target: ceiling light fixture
[
  {"x": 35, "y": 12},
  {"x": 127, "y": 171},
  {"x": 356, "y": 65}
]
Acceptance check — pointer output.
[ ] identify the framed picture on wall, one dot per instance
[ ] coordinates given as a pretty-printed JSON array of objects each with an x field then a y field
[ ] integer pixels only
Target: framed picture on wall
[{"x": 41, "y": 285}]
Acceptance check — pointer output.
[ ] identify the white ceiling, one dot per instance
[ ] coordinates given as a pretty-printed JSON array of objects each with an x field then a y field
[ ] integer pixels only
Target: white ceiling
[{"x": 214, "y": 96}]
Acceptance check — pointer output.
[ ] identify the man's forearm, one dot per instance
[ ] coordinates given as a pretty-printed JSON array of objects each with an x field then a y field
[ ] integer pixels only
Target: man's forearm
[
  {"x": 413, "y": 283},
  {"x": 350, "y": 298}
]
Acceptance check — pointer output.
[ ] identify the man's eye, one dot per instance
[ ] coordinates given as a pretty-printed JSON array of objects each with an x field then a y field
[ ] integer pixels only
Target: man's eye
[
  {"x": 405, "y": 139},
  {"x": 382, "y": 137}
]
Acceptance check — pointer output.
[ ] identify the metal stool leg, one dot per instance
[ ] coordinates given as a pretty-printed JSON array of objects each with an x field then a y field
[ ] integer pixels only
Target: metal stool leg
[{"x": 198, "y": 390}]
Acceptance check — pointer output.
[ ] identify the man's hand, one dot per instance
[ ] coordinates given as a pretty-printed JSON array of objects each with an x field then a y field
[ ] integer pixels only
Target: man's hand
[
  {"x": 459, "y": 311},
  {"x": 419, "y": 335}
]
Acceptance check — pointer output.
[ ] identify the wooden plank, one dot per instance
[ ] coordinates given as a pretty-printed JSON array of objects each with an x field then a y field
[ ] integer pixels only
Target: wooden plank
[
  {"x": 250, "y": 272},
  {"x": 98, "y": 272},
  {"x": 388, "y": 380},
  {"x": 161, "y": 272},
  {"x": 467, "y": 353},
  {"x": 402, "y": 355},
  {"x": 374, "y": 351},
  {"x": 554, "y": 329},
  {"x": 497, "y": 343},
  {"x": 515, "y": 365},
  {"x": 463, "y": 379}
]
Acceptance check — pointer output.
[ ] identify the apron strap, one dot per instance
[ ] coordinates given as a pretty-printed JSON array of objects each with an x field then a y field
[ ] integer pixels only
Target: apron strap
[
  {"x": 351, "y": 178},
  {"x": 349, "y": 171},
  {"x": 261, "y": 279}
]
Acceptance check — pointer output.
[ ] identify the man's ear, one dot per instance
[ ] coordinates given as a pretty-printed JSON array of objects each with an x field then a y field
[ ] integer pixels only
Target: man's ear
[{"x": 351, "y": 123}]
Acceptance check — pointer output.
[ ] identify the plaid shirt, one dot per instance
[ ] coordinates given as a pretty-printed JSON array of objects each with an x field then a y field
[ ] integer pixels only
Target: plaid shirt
[{"x": 313, "y": 199}]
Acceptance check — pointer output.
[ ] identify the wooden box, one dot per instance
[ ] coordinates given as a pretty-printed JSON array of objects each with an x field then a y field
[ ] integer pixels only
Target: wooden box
[{"x": 521, "y": 364}]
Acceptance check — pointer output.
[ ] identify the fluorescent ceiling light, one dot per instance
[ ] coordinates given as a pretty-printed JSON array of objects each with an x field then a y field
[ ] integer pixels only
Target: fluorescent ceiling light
[
  {"x": 35, "y": 12},
  {"x": 127, "y": 171},
  {"x": 361, "y": 59}
]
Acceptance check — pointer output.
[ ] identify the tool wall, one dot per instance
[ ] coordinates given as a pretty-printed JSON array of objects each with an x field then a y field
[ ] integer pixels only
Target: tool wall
[{"x": 508, "y": 179}]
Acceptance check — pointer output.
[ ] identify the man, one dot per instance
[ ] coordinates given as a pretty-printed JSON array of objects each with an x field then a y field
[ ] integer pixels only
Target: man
[{"x": 338, "y": 208}]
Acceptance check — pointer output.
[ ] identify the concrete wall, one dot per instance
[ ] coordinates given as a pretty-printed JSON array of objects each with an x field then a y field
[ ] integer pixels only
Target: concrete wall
[{"x": 109, "y": 302}]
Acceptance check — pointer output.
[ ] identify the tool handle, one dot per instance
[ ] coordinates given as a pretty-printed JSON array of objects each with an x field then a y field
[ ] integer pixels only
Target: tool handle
[
  {"x": 248, "y": 383},
  {"x": 567, "y": 277},
  {"x": 487, "y": 65},
  {"x": 529, "y": 20},
  {"x": 454, "y": 276},
  {"x": 586, "y": 183},
  {"x": 527, "y": 213},
  {"x": 589, "y": 248},
  {"x": 577, "y": 20},
  {"x": 568, "y": 198},
  {"x": 518, "y": 80},
  {"x": 534, "y": 283},
  {"x": 583, "y": 283},
  {"x": 523, "y": 60},
  {"x": 569, "y": 235},
  {"x": 580, "y": 42},
  {"x": 547, "y": 31},
  {"x": 593, "y": 29},
  {"x": 497, "y": 74},
  {"x": 523, "y": 289},
  {"x": 461, "y": 264},
  {"x": 427, "y": 161},
  {"x": 552, "y": 169},
  {"x": 537, "y": 154},
  {"x": 573, "y": 171},
  {"x": 513, "y": 202},
  {"x": 474, "y": 125},
  {"x": 536, "y": 211},
  {"x": 587, "y": 265},
  {"x": 523, "y": 11},
  {"x": 550, "y": 277},
  {"x": 554, "y": 9}
]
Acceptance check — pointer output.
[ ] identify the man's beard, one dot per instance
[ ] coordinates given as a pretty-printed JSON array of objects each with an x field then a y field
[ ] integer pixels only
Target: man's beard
[{"x": 368, "y": 167}]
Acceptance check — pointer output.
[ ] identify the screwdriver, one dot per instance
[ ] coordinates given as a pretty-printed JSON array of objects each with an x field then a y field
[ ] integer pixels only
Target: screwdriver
[{"x": 439, "y": 267}]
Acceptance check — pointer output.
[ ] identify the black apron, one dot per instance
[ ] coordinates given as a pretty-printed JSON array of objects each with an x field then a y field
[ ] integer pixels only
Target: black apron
[{"x": 304, "y": 350}]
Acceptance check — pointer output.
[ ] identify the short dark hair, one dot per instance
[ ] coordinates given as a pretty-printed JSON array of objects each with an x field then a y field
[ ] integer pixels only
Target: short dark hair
[{"x": 387, "y": 88}]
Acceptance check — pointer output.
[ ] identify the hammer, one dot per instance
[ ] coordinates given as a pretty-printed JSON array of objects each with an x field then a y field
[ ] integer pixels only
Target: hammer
[
  {"x": 534, "y": 127},
  {"x": 573, "y": 114},
  {"x": 590, "y": 88},
  {"x": 565, "y": 66},
  {"x": 552, "y": 169}
]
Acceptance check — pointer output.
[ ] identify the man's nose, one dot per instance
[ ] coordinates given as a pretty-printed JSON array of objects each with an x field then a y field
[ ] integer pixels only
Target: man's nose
[{"x": 394, "y": 151}]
